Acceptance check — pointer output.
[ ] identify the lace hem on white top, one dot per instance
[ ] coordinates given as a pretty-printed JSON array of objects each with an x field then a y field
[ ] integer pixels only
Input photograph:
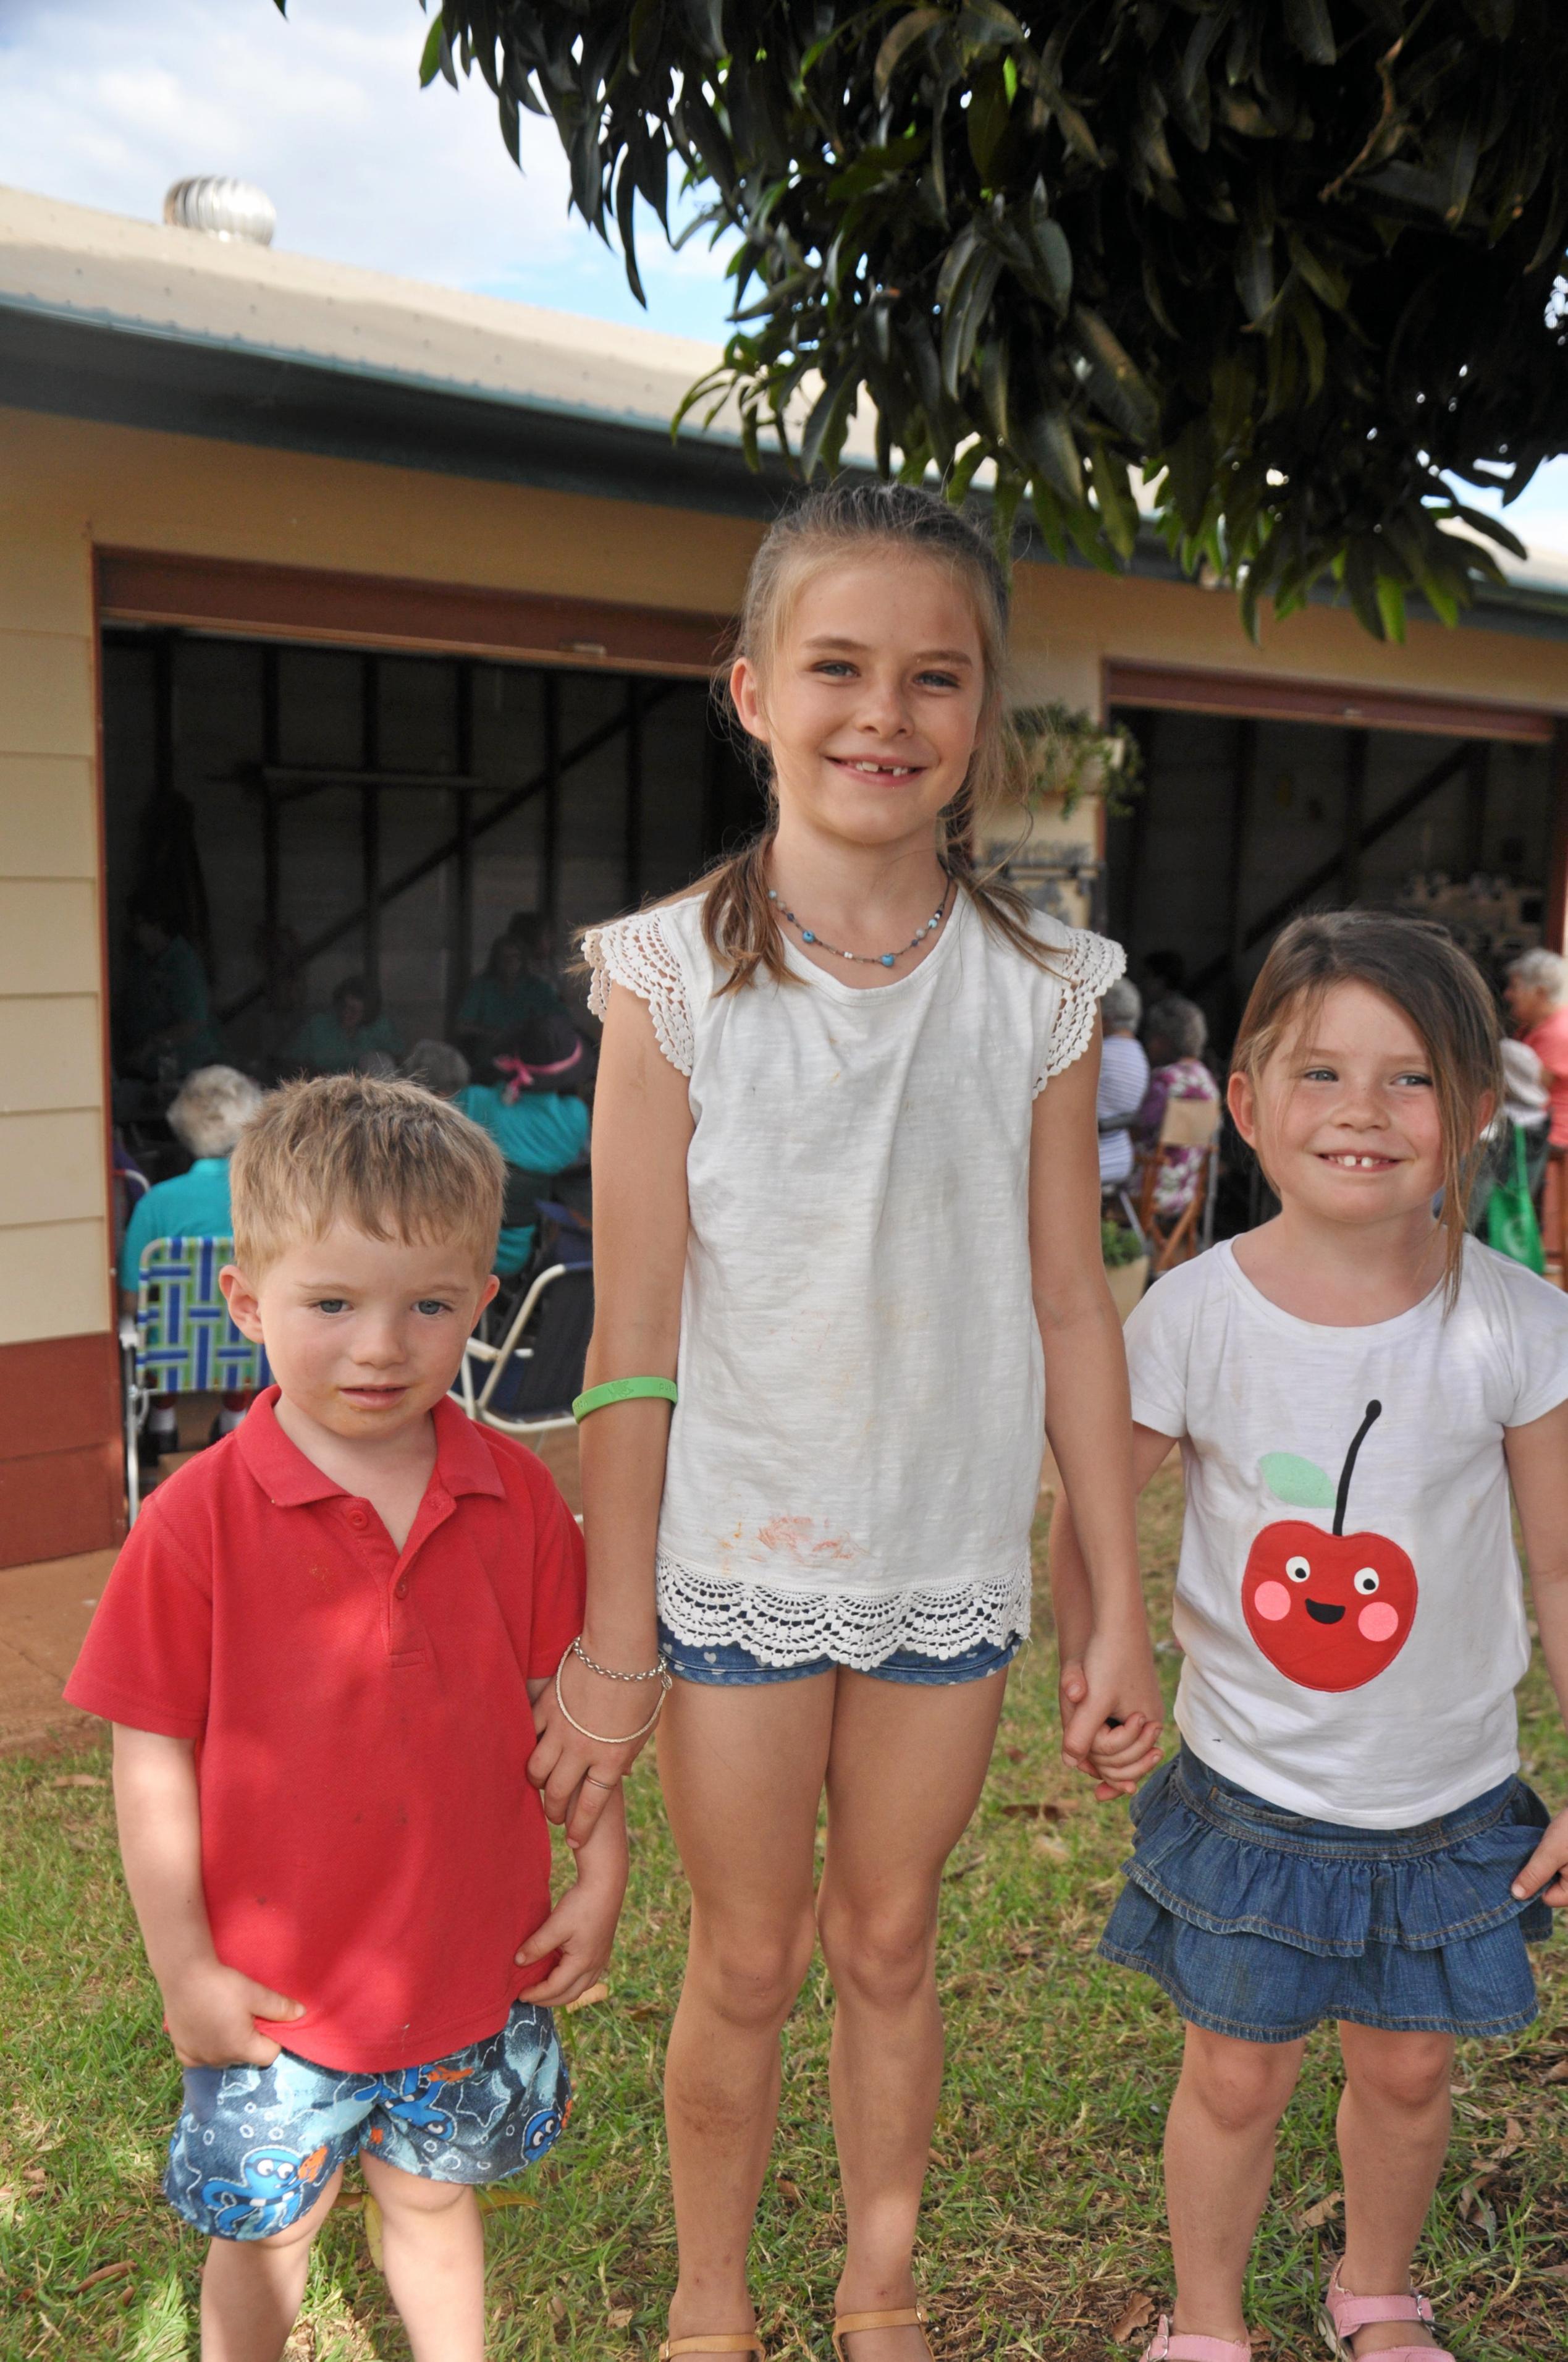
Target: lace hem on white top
[{"x": 857, "y": 1628}]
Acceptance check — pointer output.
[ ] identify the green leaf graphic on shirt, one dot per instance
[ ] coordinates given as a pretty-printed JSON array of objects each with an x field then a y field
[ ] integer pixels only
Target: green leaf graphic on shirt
[{"x": 1300, "y": 1482}]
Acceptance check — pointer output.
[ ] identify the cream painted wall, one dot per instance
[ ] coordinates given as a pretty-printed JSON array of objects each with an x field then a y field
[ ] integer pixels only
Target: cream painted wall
[{"x": 54, "y": 1232}]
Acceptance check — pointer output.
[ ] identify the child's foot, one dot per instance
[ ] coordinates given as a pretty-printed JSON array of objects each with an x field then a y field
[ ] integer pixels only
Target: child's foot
[
  {"x": 1400, "y": 2324},
  {"x": 904, "y": 2341}
]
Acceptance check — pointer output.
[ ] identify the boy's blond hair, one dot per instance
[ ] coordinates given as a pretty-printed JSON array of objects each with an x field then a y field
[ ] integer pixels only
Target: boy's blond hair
[{"x": 391, "y": 1159}]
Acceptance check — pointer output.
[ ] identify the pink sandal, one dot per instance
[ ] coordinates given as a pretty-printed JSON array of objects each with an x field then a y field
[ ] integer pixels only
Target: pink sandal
[
  {"x": 1176, "y": 2345},
  {"x": 1342, "y": 2316}
]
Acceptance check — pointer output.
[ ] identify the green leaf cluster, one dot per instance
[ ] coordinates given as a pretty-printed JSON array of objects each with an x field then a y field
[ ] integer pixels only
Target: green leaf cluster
[{"x": 1293, "y": 260}]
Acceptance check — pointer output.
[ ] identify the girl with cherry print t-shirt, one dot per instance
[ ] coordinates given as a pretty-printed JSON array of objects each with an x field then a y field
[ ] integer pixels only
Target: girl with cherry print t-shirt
[{"x": 1356, "y": 1387}]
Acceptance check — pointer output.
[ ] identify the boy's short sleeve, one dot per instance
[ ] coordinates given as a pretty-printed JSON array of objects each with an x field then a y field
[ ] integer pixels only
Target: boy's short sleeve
[
  {"x": 559, "y": 1582},
  {"x": 147, "y": 1660},
  {"x": 1158, "y": 1341}
]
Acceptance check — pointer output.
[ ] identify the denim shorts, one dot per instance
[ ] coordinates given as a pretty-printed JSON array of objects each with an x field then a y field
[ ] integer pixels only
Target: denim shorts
[
  {"x": 255, "y": 2147},
  {"x": 727, "y": 1665},
  {"x": 1260, "y": 1924}
]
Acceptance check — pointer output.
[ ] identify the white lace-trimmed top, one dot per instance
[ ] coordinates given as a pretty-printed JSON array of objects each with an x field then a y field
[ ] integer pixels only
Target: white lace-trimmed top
[{"x": 855, "y": 1457}]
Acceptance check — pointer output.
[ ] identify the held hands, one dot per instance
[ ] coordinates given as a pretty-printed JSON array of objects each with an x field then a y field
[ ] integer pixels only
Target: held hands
[
  {"x": 1112, "y": 1714},
  {"x": 578, "y": 1775},
  {"x": 1543, "y": 1872},
  {"x": 211, "y": 2013}
]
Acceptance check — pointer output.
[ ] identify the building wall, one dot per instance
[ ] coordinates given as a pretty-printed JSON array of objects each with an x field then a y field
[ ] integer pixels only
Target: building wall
[{"x": 72, "y": 485}]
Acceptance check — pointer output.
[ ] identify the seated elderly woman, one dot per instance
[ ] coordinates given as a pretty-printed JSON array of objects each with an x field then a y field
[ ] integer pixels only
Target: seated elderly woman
[
  {"x": 214, "y": 1106},
  {"x": 1123, "y": 1079},
  {"x": 1176, "y": 1034},
  {"x": 345, "y": 1039},
  {"x": 537, "y": 1119},
  {"x": 436, "y": 1066}
]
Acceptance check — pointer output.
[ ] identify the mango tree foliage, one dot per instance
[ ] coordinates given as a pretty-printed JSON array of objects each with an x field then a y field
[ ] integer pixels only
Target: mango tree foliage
[{"x": 1293, "y": 259}]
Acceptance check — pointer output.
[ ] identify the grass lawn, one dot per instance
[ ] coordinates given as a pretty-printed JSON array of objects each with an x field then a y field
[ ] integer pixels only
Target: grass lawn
[{"x": 1043, "y": 2227}]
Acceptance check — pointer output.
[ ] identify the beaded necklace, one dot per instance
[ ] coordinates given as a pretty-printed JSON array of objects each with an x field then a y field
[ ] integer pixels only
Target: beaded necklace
[{"x": 869, "y": 959}]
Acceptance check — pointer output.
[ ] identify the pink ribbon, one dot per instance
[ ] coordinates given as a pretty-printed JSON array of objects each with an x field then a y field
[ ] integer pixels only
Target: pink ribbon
[{"x": 524, "y": 1076}]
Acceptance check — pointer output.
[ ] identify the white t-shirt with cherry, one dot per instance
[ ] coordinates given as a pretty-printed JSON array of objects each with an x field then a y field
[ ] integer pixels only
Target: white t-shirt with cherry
[{"x": 1349, "y": 1600}]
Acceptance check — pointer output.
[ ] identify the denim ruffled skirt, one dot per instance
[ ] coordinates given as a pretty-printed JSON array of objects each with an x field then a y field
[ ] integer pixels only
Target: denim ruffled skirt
[{"x": 1260, "y": 1924}]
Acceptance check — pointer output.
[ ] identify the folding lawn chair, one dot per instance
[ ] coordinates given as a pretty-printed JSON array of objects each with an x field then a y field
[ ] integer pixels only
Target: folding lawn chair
[
  {"x": 1186, "y": 1125},
  {"x": 525, "y": 1385},
  {"x": 181, "y": 1339}
]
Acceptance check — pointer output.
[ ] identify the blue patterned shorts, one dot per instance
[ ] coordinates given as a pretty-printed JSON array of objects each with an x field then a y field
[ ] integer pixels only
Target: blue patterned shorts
[
  {"x": 255, "y": 2147},
  {"x": 727, "y": 1665}
]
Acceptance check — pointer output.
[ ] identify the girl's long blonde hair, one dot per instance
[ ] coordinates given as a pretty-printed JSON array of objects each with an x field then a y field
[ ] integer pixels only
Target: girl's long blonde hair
[
  {"x": 1419, "y": 968},
  {"x": 847, "y": 520}
]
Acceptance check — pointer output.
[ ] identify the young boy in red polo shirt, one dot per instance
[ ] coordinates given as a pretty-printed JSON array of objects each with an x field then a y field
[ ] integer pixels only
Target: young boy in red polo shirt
[{"x": 319, "y": 1650}]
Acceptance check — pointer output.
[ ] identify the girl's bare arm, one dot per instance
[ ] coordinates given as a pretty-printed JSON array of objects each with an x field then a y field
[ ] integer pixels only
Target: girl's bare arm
[
  {"x": 1088, "y": 1413},
  {"x": 1537, "y": 1469},
  {"x": 643, "y": 1128}
]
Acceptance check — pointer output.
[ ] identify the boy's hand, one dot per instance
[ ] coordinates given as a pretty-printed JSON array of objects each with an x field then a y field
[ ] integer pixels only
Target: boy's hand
[
  {"x": 582, "y": 1926},
  {"x": 1543, "y": 1873},
  {"x": 211, "y": 2013}
]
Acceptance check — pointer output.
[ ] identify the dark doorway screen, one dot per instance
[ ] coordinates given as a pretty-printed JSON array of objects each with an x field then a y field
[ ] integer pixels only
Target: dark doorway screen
[{"x": 342, "y": 811}]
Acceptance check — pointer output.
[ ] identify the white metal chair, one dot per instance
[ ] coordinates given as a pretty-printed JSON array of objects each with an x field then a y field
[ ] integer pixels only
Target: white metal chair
[{"x": 536, "y": 1369}]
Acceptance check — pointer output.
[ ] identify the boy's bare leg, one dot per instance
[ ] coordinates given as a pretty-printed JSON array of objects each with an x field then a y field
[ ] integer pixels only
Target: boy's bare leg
[
  {"x": 1219, "y": 2162},
  {"x": 1394, "y": 2120},
  {"x": 743, "y": 1772},
  {"x": 251, "y": 2289},
  {"x": 907, "y": 1765},
  {"x": 433, "y": 2246}
]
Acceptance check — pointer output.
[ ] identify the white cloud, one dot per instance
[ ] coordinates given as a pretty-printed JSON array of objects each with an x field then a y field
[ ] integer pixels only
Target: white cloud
[{"x": 105, "y": 105}]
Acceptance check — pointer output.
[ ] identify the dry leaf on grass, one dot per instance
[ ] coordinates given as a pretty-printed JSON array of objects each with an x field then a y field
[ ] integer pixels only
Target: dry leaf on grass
[
  {"x": 1033, "y": 1813},
  {"x": 557, "y": 2308},
  {"x": 622, "y": 2317},
  {"x": 103, "y": 2272},
  {"x": 1513, "y": 2138},
  {"x": 787, "y": 2190},
  {"x": 587, "y": 2000},
  {"x": 1133, "y": 2317},
  {"x": 1014, "y": 1754},
  {"x": 646, "y": 2011},
  {"x": 1312, "y": 2218},
  {"x": 79, "y": 1779},
  {"x": 1053, "y": 1849}
]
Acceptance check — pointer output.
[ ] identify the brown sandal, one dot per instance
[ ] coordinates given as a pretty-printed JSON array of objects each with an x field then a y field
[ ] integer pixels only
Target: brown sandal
[
  {"x": 719, "y": 2341},
  {"x": 907, "y": 2316}
]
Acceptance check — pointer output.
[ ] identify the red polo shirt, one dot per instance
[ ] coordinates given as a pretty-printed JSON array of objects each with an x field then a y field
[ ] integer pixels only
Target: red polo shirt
[{"x": 369, "y": 1843}]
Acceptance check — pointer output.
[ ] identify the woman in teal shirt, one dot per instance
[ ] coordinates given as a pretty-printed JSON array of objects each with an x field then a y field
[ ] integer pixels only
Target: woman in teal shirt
[
  {"x": 511, "y": 992},
  {"x": 533, "y": 1114},
  {"x": 339, "y": 1040}
]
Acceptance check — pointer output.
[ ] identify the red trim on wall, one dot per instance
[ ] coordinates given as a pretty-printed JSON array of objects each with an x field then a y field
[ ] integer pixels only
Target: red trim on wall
[
  {"x": 1274, "y": 698},
  {"x": 62, "y": 1486},
  {"x": 379, "y": 610}
]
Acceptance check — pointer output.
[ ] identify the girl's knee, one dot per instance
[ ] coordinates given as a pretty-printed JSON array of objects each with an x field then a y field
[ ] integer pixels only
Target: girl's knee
[
  {"x": 1401, "y": 2071},
  {"x": 752, "y": 1976},
  {"x": 881, "y": 1956},
  {"x": 1241, "y": 2086}
]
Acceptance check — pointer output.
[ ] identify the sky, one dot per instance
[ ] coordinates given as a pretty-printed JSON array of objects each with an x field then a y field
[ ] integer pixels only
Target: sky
[{"x": 106, "y": 102}]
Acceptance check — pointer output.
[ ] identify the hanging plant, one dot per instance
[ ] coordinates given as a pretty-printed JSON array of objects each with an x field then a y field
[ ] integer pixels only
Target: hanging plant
[{"x": 1069, "y": 755}]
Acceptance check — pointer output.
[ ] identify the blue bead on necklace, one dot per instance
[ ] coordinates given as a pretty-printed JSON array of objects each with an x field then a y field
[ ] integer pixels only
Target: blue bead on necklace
[{"x": 869, "y": 959}]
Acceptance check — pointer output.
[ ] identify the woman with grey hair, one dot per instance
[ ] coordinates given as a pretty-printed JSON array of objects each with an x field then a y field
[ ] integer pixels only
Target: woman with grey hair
[
  {"x": 213, "y": 1106},
  {"x": 1123, "y": 1079},
  {"x": 1536, "y": 995},
  {"x": 436, "y": 1066}
]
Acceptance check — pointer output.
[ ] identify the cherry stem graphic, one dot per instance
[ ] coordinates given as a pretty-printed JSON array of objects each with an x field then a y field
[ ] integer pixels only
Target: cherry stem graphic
[{"x": 1374, "y": 1411}]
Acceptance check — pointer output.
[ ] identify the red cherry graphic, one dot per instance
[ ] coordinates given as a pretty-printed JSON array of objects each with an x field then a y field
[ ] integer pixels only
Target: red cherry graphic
[{"x": 1329, "y": 1610}]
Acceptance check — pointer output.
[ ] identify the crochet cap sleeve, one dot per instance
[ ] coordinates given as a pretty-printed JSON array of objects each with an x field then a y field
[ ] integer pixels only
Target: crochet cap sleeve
[
  {"x": 1089, "y": 965},
  {"x": 638, "y": 954}
]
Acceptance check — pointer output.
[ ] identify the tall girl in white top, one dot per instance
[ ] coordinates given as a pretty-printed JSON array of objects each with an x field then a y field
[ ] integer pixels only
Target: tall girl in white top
[
  {"x": 846, "y": 1188},
  {"x": 1344, "y": 1835}
]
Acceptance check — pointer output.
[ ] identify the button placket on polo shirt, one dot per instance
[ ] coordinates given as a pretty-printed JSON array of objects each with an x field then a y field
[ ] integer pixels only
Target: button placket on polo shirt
[{"x": 405, "y": 1633}]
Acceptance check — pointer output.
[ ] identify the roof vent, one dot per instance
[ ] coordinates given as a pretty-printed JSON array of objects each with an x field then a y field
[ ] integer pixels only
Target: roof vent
[{"x": 222, "y": 208}]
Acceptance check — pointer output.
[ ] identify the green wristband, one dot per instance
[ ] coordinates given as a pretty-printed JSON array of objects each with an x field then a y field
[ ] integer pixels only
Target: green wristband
[{"x": 623, "y": 1390}]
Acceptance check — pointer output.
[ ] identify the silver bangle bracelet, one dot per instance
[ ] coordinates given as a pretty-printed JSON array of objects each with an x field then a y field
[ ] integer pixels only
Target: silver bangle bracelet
[{"x": 625, "y": 1739}]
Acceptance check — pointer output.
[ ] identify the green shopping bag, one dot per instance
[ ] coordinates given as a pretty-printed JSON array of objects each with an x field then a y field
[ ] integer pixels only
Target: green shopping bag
[{"x": 1511, "y": 1226}]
